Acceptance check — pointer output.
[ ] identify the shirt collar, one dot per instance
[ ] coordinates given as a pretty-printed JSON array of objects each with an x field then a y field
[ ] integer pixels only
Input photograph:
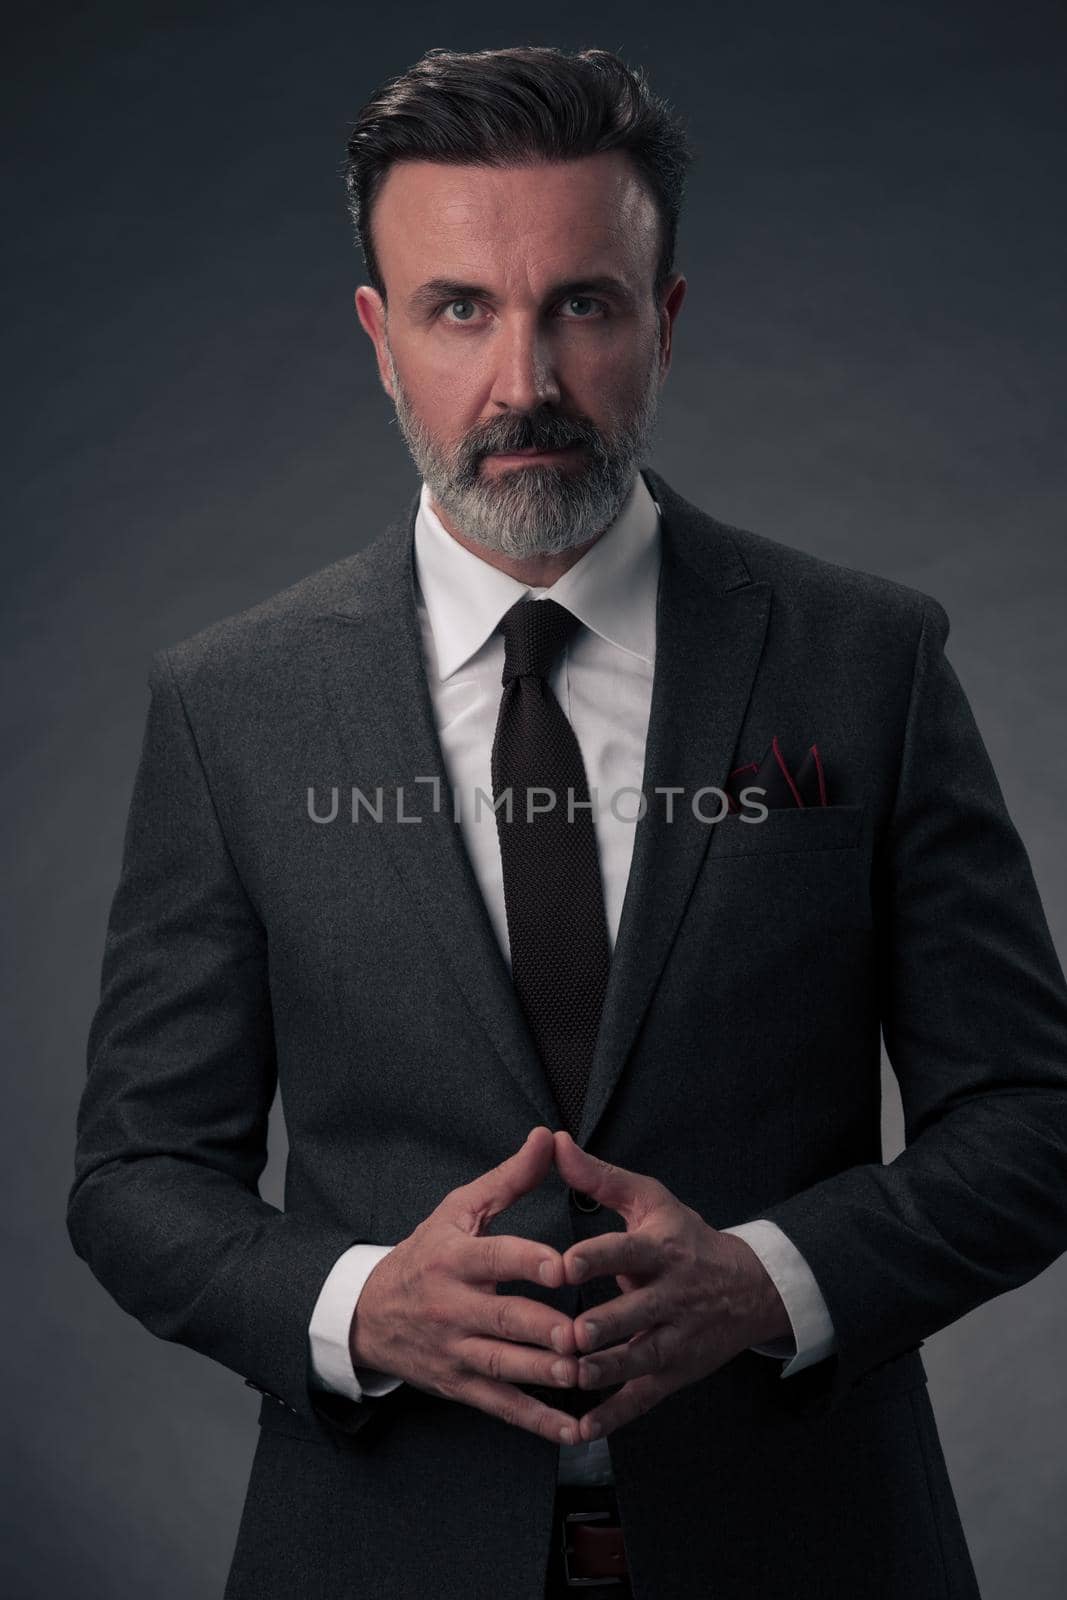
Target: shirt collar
[{"x": 611, "y": 588}]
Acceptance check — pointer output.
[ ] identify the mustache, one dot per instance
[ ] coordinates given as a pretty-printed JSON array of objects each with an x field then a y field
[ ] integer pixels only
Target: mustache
[{"x": 547, "y": 431}]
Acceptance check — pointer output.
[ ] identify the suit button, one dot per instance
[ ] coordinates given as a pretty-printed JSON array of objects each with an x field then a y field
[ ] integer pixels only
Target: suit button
[{"x": 583, "y": 1202}]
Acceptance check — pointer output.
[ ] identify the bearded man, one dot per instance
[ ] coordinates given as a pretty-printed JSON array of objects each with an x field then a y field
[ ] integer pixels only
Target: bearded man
[{"x": 563, "y": 855}]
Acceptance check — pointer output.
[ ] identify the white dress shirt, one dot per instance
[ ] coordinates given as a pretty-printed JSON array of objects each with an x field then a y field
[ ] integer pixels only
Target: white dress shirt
[{"x": 603, "y": 682}]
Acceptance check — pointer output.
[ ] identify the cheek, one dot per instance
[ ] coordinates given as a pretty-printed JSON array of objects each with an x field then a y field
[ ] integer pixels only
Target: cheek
[
  {"x": 609, "y": 387},
  {"x": 618, "y": 366},
  {"x": 447, "y": 401}
]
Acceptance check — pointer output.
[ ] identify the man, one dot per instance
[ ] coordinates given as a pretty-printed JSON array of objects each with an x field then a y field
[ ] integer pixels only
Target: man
[{"x": 582, "y": 1093}]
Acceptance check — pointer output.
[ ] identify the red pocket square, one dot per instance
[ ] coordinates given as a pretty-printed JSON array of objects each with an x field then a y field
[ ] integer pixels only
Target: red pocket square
[{"x": 783, "y": 787}]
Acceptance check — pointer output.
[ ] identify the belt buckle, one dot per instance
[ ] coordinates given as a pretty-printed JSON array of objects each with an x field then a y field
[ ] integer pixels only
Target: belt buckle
[{"x": 574, "y": 1582}]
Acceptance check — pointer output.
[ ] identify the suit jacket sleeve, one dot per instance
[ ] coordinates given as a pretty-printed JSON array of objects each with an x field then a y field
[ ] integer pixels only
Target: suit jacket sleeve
[
  {"x": 172, "y": 1124},
  {"x": 974, "y": 1017}
]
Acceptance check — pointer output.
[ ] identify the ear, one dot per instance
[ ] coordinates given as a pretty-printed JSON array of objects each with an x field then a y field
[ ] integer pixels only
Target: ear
[
  {"x": 370, "y": 309},
  {"x": 669, "y": 309}
]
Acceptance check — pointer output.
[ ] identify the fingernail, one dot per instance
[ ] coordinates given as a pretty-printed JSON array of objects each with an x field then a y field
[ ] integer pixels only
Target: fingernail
[
  {"x": 594, "y": 1430},
  {"x": 544, "y": 1271},
  {"x": 566, "y": 1436},
  {"x": 578, "y": 1268},
  {"x": 560, "y": 1371},
  {"x": 590, "y": 1333},
  {"x": 557, "y": 1337},
  {"x": 592, "y": 1372}
]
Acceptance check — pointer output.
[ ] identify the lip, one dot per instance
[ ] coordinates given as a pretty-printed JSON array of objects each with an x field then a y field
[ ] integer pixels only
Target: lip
[{"x": 532, "y": 455}]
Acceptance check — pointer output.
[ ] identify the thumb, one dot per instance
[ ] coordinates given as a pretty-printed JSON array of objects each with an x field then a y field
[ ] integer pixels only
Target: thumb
[
  {"x": 623, "y": 1191},
  {"x": 475, "y": 1203}
]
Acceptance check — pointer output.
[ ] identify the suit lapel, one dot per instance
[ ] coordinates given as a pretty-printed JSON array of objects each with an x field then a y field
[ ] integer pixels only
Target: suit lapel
[
  {"x": 376, "y": 684},
  {"x": 710, "y": 625}
]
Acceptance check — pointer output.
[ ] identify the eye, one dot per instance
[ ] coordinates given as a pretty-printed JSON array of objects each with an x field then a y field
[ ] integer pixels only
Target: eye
[
  {"x": 583, "y": 300},
  {"x": 452, "y": 303}
]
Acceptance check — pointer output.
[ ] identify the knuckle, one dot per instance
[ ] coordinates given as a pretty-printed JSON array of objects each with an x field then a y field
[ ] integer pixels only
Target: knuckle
[
  {"x": 423, "y": 1278},
  {"x": 449, "y": 1384},
  {"x": 447, "y": 1247},
  {"x": 491, "y": 1255},
  {"x": 504, "y": 1316},
  {"x": 671, "y": 1248},
  {"x": 494, "y": 1363}
]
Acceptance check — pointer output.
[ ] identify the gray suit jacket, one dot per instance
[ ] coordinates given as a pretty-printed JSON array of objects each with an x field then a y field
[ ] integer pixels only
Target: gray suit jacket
[{"x": 738, "y": 1062}]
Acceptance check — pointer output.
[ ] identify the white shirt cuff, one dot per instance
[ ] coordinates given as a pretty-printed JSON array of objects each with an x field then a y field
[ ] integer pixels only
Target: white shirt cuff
[
  {"x": 813, "y": 1331},
  {"x": 331, "y": 1321}
]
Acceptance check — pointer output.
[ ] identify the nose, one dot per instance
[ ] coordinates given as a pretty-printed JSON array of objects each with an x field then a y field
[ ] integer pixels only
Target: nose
[{"x": 524, "y": 376}]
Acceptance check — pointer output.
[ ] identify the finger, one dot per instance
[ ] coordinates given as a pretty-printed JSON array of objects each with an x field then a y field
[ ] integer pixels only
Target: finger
[
  {"x": 504, "y": 1257},
  {"x": 612, "y": 1253},
  {"x": 632, "y": 1194},
  {"x": 513, "y": 1317},
  {"x": 473, "y": 1204},
  {"x": 519, "y": 1410},
  {"x": 517, "y": 1363},
  {"x": 654, "y": 1350},
  {"x": 637, "y": 1397},
  {"x": 617, "y": 1319}
]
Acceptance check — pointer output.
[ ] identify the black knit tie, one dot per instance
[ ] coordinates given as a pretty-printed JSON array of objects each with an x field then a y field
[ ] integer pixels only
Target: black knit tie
[{"x": 553, "y": 894}]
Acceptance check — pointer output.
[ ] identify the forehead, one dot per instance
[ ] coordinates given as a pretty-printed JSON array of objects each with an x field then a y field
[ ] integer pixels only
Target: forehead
[{"x": 440, "y": 218}]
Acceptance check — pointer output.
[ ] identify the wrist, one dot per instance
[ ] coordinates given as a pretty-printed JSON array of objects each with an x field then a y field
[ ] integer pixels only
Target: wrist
[
  {"x": 360, "y": 1344},
  {"x": 762, "y": 1310},
  {"x": 357, "y": 1341}
]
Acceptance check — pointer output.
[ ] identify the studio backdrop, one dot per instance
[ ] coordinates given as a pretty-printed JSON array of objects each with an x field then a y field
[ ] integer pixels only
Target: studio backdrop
[{"x": 869, "y": 366}]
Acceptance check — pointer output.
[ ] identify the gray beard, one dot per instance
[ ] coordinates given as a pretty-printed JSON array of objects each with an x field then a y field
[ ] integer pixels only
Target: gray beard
[{"x": 540, "y": 510}]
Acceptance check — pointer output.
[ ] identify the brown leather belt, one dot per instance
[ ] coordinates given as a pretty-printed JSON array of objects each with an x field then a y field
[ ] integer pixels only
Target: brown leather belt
[{"x": 589, "y": 1539}]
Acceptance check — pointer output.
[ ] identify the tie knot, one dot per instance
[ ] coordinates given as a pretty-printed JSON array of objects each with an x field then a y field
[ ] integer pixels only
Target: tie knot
[{"x": 535, "y": 632}]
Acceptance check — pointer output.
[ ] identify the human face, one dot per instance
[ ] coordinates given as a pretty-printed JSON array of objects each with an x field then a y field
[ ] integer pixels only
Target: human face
[{"x": 521, "y": 318}]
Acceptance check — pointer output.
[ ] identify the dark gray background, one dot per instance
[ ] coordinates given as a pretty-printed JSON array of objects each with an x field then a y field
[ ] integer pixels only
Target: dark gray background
[{"x": 869, "y": 365}]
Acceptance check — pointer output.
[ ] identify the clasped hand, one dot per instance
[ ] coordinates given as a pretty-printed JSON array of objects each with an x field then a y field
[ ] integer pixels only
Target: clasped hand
[{"x": 691, "y": 1299}]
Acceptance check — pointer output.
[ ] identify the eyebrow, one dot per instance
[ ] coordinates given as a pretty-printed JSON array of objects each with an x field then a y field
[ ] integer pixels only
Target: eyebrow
[{"x": 442, "y": 290}]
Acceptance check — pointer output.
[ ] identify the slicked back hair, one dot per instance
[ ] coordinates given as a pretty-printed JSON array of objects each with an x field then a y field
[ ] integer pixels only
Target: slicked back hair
[{"x": 515, "y": 107}]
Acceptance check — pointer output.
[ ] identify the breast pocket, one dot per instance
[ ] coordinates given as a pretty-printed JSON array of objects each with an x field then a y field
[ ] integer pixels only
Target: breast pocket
[
  {"x": 788, "y": 829},
  {"x": 801, "y": 873},
  {"x": 774, "y": 953}
]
